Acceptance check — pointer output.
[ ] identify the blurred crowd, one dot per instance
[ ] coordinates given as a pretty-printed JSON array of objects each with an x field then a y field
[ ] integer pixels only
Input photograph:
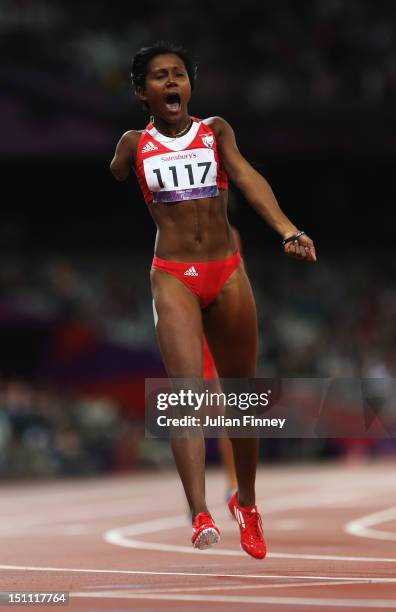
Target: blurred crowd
[
  {"x": 327, "y": 66},
  {"x": 45, "y": 434},
  {"x": 309, "y": 75},
  {"x": 292, "y": 54},
  {"x": 337, "y": 318},
  {"x": 333, "y": 320},
  {"x": 101, "y": 291}
]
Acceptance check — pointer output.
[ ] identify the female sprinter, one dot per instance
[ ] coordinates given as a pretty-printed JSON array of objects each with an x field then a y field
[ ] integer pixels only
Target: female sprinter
[{"x": 198, "y": 283}]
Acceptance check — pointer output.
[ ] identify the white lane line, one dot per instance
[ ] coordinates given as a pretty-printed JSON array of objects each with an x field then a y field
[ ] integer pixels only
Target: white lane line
[
  {"x": 331, "y": 558},
  {"x": 122, "y": 537},
  {"x": 361, "y": 527},
  {"x": 290, "y": 601},
  {"x": 68, "y": 492},
  {"x": 33, "y": 568},
  {"x": 80, "y": 512},
  {"x": 316, "y": 497},
  {"x": 322, "y": 496},
  {"x": 381, "y": 480},
  {"x": 290, "y": 524},
  {"x": 56, "y": 530},
  {"x": 240, "y": 587}
]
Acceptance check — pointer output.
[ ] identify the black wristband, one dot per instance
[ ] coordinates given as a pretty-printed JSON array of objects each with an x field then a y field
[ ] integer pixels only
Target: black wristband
[{"x": 293, "y": 238}]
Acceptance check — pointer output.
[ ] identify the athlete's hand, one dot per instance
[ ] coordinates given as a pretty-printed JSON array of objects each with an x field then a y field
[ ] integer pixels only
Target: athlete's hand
[{"x": 300, "y": 248}]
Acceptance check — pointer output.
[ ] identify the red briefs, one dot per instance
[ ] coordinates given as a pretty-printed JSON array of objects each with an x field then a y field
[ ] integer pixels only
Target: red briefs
[{"x": 204, "y": 278}]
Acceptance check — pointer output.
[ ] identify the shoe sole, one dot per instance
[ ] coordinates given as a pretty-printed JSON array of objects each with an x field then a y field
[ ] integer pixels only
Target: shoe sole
[{"x": 206, "y": 539}]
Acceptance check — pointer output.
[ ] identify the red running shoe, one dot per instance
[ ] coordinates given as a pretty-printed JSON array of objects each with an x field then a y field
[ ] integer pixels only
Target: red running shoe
[
  {"x": 250, "y": 527},
  {"x": 205, "y": 532}
]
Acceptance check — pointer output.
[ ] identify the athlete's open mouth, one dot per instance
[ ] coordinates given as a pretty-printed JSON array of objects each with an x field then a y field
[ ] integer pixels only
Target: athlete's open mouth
[{"x": 172, "y": 101}]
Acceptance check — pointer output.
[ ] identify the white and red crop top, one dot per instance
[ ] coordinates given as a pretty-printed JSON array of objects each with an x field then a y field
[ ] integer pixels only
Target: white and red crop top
[{"x": 175, "y": 169}]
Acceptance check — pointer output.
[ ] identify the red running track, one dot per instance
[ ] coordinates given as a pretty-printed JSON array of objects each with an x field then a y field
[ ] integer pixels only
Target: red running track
[{"x": 124, "y": 543}]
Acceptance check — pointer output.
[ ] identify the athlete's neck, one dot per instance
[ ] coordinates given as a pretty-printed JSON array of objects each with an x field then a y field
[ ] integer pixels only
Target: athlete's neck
[{"x": 173, "y": 130}]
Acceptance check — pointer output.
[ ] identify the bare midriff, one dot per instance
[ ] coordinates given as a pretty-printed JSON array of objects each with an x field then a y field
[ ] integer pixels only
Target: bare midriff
[{"x": 193, "y": 230}]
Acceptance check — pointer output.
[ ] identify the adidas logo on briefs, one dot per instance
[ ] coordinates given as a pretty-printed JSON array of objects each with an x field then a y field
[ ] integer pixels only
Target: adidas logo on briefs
[
  {"x": 150, "y": 146},
  {"x": 191, "y": 272}
]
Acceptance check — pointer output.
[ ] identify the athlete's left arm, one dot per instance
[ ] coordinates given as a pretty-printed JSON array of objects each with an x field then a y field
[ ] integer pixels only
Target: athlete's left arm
[{"x": 257, "y": 191}]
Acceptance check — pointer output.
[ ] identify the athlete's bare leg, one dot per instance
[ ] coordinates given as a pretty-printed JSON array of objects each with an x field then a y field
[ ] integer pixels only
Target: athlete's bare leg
[
  {"x": 230, "y": 325},
  {"x": 225, "y": 450},
  {"x": 227, "y": 459},
  {"x": 179, "y": 333}
]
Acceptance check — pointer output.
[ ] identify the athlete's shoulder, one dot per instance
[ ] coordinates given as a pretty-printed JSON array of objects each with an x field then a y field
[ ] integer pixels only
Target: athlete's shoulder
[
  {"x": 131, "y": 138},
  {"x": 128, "y": 144},
  {"x": 125, "y": 154},
  {"x": 218, "y": 125}
]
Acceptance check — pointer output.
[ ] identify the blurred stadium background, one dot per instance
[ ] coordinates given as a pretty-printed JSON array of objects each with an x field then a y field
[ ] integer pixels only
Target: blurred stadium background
[{"x": 310, "y": 88}]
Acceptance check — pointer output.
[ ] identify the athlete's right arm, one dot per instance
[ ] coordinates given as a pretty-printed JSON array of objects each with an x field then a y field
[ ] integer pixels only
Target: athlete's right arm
[{"x": 124, "y": 155}]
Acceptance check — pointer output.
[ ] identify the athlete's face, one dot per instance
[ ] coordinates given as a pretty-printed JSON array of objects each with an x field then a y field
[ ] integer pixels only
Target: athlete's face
[{"x": 167, "y": 88}]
